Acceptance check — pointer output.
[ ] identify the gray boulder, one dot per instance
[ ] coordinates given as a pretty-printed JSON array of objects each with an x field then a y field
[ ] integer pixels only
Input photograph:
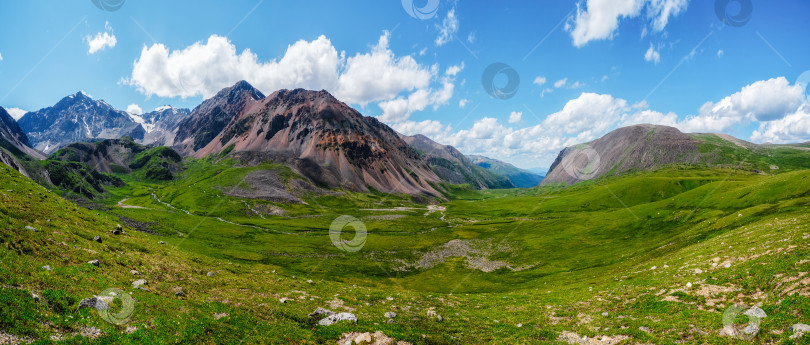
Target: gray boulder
[
  {"x": 756, "y": 312},
  {"x": 321, "y": 312},
  {"x": 799, "y": 327},
  {"x": 93, "y": 302},
  {"x": 136, "y": 284},
  {"x": 332, "y": 319}
]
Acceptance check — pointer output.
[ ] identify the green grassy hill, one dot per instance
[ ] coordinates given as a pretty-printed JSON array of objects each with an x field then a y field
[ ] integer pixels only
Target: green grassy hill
[{"x": 649, "y": 257}]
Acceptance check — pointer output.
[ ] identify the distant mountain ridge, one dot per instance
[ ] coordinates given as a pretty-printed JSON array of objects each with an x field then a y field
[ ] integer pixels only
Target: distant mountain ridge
[
  {"x": 453, "y": 167},
  {"x": 161, "y": 124},
  {"x": 520, "y": 178},
  {"x": 77, "y": 118}
]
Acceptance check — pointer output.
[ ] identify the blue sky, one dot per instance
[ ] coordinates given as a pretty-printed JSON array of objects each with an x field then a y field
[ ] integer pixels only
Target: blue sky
[{"x": 585, "y": 67}]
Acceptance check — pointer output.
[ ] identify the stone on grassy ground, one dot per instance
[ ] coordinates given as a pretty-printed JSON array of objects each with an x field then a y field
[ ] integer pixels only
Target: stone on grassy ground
[
  {"x": 134, "y": 272},
  {"x": 136, "y": 284},
  {"x": 97, "y": 239},
  {"x": 94, "y": 263},
  {"x": 332, "y": 319},
  {"x": 390, "y": 314},
  {"x": 321, "y": 312},
  {"x": 756, "y": 312},
  {"x": 47, "y": 268},
  {"x": 31, "y": 228},
  {"x": 93, "y": 302},
  {"x": 367, "y": 338},
  {"x": 751, "y": 329},
  {"x": 798, "y": 330},
  {"x": 210, "y": 274}
]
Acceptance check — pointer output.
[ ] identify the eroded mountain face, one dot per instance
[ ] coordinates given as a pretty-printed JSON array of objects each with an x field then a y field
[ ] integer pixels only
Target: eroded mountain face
[{"x": 320, "y": 137}]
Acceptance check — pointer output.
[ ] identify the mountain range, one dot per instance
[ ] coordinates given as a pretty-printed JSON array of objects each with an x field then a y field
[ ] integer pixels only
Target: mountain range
[{"x": 331, "y": 145}]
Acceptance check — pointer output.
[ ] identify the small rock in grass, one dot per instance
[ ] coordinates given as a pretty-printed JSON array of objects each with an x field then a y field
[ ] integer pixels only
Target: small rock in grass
[
  {"x": 116, "y": 232},
  {"x": 138, "y": 283},
  {"x": 47, "y": 268},
  {"x": 645, "y": 329},
  {"x": 131, "y": 329},
  {"x": 161, "y": 242},
  {"x": 180, "y": 294},
  {"x": 390, "y": 314},
  {"x": 94, "y": 263},
  {"x": 134, "y": 272},
  {"x": 119, "y": 227},
  {"x": 698, "y": 271},
  {"x": 799, "y": 327},
  {"x": 97, "y": 239},
  {"x": 332, "y": 319},
  {"x": 605, "y": 314},
  {"x": 210, "y": 274},
  {"x": 688, "y": 285},
  {"x": 283, "y": 300},
  {"x": 93, "y": 302},
  {"x": 756, "y": 312},
  {"x": 751, "y": 329},
  {"x": 220, "y": 315},
  {"x": 35, "y": 297},
  {"x": 321, "y": 312},
  {"x": 439, "y": 318},
  {"x": 31, "y": 228},
  {"x": 729, "y": 331}
]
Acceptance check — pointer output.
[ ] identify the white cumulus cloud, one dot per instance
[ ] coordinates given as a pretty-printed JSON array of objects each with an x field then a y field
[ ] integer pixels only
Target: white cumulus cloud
[
  {"x": 599, "y": 19},
  {"x": 515, "y": 116},
  {"x": 102, "y": 40},
  {"x": 792, "y": 128},
  {"x": 378, "y": 75},
  {"x": 764, "y": 100},
  {"x": 134, "y": 109}
]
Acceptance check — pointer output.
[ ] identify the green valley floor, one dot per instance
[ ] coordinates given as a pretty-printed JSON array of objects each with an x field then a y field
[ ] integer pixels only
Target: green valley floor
[{"x": 678, "y": 255}]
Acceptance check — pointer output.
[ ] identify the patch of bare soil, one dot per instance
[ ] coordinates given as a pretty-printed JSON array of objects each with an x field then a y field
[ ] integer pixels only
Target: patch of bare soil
[{"x": 475, "y": 252}]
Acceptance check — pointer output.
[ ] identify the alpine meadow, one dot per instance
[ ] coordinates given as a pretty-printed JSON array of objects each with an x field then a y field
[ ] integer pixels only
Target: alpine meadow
[{"x": 405, "y": 172}]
